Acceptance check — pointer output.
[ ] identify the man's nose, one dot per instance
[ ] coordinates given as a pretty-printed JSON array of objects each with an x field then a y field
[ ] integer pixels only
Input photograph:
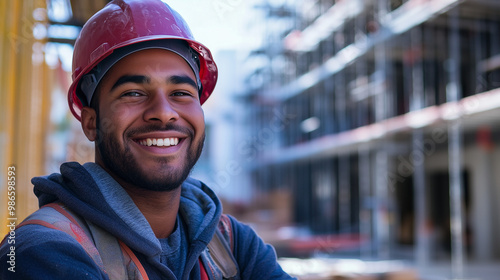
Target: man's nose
[{"x": 160, "y": 109}]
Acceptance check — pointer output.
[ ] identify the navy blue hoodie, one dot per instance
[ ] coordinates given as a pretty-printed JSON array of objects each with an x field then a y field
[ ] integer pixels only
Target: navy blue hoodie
[{"x": 44, "y": 253}]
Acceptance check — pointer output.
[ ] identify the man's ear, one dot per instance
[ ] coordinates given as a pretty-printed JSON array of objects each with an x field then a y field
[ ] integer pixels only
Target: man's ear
[{"x": 89, "y": 123}]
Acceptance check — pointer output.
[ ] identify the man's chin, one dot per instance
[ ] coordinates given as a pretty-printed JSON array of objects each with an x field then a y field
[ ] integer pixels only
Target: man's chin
[
  {"x": 160, "y": 187},
  {"x": 158, "y": 180}
]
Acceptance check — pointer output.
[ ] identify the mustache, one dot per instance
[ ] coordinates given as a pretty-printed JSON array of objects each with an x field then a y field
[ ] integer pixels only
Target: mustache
[{"x": 159, "y": 128}]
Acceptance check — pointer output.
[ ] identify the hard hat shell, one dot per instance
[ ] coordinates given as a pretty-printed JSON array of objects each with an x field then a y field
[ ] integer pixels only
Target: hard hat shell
[{"x": 126, "y": 22}]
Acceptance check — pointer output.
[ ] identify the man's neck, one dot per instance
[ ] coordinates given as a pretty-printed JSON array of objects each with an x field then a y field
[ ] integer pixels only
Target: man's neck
[{"x": 159, "y": 208}]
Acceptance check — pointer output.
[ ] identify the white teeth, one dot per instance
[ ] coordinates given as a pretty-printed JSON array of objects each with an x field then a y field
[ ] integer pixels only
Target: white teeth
[{"x": 165, "y": 142}]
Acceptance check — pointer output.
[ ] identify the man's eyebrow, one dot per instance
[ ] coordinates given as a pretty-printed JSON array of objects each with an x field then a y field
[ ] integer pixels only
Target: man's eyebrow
[
  {"x": 136, "y": 79},
  {"x": 176, "y": 80}
]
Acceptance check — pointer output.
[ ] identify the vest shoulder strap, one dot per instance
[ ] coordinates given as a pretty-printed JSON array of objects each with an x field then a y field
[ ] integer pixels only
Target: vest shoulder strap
[
  {"x": 220, "y": 252},
  {"x": 111, "y": 255}
]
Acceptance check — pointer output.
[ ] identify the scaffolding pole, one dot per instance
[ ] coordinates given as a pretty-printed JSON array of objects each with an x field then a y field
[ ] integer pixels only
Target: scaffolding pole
[
  {"x": 367, "y": 200},
  {"x": 417, "y": 156},
  {"x": 381, "y": 164},
  {"x": 455, "y": 151}
]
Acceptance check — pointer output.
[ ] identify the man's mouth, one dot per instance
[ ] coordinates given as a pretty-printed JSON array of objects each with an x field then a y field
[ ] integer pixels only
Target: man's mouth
[{"x": 159, "y": 142}]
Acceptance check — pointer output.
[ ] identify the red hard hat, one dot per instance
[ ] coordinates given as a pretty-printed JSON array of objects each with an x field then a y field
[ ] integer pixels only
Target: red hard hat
[{"x": 124, "y": 23}]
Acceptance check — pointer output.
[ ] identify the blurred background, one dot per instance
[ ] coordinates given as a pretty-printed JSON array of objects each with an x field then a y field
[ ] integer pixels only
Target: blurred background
[{"x": 359, "y": 137}]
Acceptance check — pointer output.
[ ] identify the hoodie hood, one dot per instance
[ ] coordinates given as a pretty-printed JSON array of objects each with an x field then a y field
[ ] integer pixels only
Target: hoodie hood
[{"x": 91, "y": 192}]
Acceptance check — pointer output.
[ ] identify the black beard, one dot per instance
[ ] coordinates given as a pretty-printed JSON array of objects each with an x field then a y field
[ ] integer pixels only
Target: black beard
[{"x": 122, "y": 164}]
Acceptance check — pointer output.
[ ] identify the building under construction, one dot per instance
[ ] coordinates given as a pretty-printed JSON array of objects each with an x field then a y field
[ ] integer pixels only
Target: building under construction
[{"x": 380, "y": 119}]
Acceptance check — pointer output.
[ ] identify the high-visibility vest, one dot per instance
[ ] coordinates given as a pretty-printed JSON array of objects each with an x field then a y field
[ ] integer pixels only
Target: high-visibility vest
[{"x": 118, "y": 261}]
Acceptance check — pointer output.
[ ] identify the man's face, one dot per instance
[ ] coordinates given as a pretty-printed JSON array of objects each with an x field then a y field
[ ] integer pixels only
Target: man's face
[{"x": 149, "y": 125}]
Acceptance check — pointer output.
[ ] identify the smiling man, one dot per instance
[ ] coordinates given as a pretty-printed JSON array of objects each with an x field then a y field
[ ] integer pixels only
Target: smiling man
[{"x": 139, "y": 79}]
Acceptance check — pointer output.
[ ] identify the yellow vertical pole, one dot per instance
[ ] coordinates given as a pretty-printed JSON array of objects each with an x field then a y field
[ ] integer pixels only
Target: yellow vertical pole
[
  {"x": 23, "y": 146},
  {"x": 23, "y": 113},
  {"x": 3, "y": 9},
  {"x": 30, "y": 149},
  {"x": 11, "y": 11},
  {"x": 37, "y": 98}
]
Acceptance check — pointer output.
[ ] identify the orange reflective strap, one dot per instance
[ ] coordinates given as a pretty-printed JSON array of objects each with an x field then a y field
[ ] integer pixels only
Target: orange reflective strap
[{"x": 134, "y": 259}]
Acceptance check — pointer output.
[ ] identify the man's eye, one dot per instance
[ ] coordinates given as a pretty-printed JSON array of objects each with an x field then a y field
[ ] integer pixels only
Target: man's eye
[
  {"x": 181, "y": 93},
  {"x": 132, "y": 94}
]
